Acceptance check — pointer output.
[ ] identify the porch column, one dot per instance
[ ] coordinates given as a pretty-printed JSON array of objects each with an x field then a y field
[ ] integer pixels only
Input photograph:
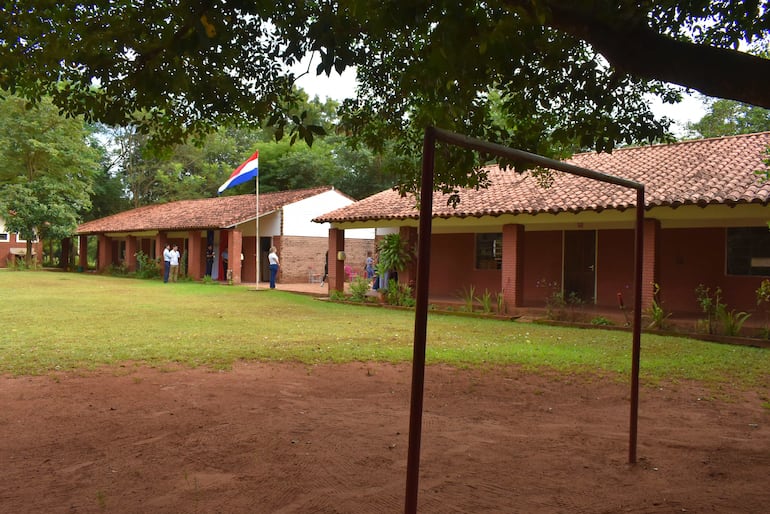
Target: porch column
[
  {"x": 336, "y": 279},
  {"x": 160, "y": 243},
  {"x": 83, "y": 253},
  {"x": 64, "y": 256},
  {"x": 650, "y": 261},
  {"x": 234, "y": 254},
  {"x": 131, "y": 248},
  {"x": 409, "y": 237},
  {"x": 194, "y": 255},
  {"x": 513, "y": 266},
  {"x": 105, "y": 253}
]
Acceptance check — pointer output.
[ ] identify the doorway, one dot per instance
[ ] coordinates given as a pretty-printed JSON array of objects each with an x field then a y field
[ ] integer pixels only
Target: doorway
[
  {"x": 264, "y": 248},
  {"x": 580, "y": 265}
]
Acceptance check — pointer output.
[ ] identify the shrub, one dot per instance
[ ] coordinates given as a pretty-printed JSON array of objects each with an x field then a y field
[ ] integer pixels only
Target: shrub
[
  {"x": 399, "y": 294},
  {"x": 486, "y": 301},
  {"x": 359, "y": 288},
  {"x": 468, "y": 296},
  {"x": 146, "y": 267},
  {"x": 658, "y": 315}
]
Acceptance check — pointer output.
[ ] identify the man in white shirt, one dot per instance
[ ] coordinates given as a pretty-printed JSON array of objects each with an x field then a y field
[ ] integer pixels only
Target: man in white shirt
[
  {"x": 174, "y": 263},
  {"x": 166, "y": 262}
]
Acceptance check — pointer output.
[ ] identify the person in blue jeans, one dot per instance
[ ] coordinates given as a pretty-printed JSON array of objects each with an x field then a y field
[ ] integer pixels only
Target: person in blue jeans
[
  {"x": 272, "y": 259},
  {"x": 166, "y": 262}
]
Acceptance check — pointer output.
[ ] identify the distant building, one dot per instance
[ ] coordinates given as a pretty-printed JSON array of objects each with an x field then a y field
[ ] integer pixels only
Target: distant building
[
  {"x": 705, "y": 223},
  {"x": 229, "y": 223}
]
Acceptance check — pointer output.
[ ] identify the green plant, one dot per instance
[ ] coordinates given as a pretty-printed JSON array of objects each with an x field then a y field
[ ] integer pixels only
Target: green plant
[
  {"x": 337, "y": 296},
  {"x": 658, "y": 315},
  {"x": 556, "y": 306},
  {"x": 501, "y": 308},
  {"x": 731, "y": 321},
  {"x": 399, "y": 294},
  {"x": 117, "y": 270},
  {"x": 763, "y": 302},
  {"x": 393, "y": 255},
  {"x": 207, "y": 280},
  {"x": 183, "y": 265},
  {"x": 146, "y": 267},
  {"x": 359, "y": 288},
  {"x": 486, "y": 301},
  {"x": 468, "y": 296},
  {"x": 601, "y": 321},
  {"x": 709, "y": 304}
]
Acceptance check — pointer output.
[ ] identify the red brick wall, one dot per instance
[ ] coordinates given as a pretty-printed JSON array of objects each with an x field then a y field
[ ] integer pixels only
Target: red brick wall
[
  {"x": 513, "y": 262},
  {"x": 5, "y": 249},
  {"x": 453, "y": 267},
  {"x": 542, "y": 266},
  {"x": 688, "y": 257},
  {"x": 615, "y": 267},
  {"x": 301, "y": 256}
]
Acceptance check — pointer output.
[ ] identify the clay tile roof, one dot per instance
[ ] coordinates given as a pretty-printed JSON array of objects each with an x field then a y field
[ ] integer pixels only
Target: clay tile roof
[
  {"x": 702, "y": 172},
  {"x": 207, "y": 213}
]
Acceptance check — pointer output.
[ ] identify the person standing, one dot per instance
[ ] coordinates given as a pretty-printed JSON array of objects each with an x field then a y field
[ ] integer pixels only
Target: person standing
[
  {"x": 209, "y": 260},
  {"x": 174, "y": 263},
  {"x": 326, "y": 268},
  {"x": 224, "y": 262},
  {"x": 272, "y": 259},
  {"x": 166, "y": 262},
  {"x": 369, "y": 265}
]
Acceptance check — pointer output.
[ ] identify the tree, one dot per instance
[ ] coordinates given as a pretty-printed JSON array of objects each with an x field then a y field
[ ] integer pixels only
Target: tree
[
  {"x": 569, "y": 72},
  {"x": 47, "y": 171},
  {"x": 728, "y": 118}
]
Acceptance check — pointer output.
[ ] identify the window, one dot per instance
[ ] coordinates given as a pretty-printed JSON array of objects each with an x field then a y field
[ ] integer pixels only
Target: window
[
  {"x": 748, "y": 251},
  {"x": 4, "y": 237},
  {"x": 20, "y": 240},
  {"x": 489, "y": 251}
]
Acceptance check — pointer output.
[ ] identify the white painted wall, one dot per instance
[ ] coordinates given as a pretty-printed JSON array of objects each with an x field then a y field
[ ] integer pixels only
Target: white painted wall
[{"x": 298, "y": 215}]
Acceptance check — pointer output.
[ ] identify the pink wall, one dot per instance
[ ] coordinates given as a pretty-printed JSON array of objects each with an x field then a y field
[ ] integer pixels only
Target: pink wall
[
  {"x": 453, "y": 267},
  {"x": 542, "y": 266},
  {"x": 688, "y": 257},
  {"x": 614, "y": 267}
]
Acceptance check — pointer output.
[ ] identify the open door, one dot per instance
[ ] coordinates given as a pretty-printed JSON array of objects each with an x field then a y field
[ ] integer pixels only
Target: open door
[{"x": 580, "y": 264}]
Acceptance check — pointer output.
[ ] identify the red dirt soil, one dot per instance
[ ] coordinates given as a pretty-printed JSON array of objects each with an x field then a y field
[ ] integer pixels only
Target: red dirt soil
[{"x": 281, "y": 438}]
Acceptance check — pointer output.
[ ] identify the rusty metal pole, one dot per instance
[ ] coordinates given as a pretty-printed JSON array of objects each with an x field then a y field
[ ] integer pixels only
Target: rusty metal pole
[
  {"x": 420, "y": 321},
  {"x": 637, "y": 331}
]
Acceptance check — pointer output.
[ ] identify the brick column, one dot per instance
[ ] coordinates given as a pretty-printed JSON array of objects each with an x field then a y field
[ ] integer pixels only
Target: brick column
[
  {"x": 409, "y": 238},
  {"x": 234, "y": 252},
  {"x": 131, "y": 249},
  {"x": 105, "y": 253},
  {"x": 160, "y": 243},
  {"x": 650, "y": 261},
  {"x": 64, "y": 255},
  {"x": 513, "y": 266},
  {"x": 194, "y": 255},
  {"x": 83, "y": 253},
  {"x": 336, "y": 278}
]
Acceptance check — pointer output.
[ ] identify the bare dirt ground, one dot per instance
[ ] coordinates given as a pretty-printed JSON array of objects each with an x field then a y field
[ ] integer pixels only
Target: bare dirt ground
[{"x": 280, "y": 438}]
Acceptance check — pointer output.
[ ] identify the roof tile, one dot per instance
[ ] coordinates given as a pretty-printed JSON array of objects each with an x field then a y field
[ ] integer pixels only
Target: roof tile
[
  {"x": 207, "y": 213},
  {"x": 718, "y": 170}
]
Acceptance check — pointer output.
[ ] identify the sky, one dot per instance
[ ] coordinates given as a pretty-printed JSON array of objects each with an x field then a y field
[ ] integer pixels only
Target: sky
[{"x": 338, "y": 87}]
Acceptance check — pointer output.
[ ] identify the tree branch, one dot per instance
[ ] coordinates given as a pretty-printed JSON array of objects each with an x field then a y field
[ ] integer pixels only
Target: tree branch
[{"x": 632, "y": 47}]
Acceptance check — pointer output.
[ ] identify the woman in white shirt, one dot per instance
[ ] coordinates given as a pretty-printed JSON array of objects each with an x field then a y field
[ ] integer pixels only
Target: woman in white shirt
[{"x": 272, "y": 259}]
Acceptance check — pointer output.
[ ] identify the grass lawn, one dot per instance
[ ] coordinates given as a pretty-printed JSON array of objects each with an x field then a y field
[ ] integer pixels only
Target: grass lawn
[{"x": 66, "y": 321}]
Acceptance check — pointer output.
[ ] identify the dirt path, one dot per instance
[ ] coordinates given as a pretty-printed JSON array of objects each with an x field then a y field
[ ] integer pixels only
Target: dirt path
[{"x": 280, "y": 438}]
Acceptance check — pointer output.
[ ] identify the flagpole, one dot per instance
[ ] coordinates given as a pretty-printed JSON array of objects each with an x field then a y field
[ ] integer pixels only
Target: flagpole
[{"x": 258, "y": 245}]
